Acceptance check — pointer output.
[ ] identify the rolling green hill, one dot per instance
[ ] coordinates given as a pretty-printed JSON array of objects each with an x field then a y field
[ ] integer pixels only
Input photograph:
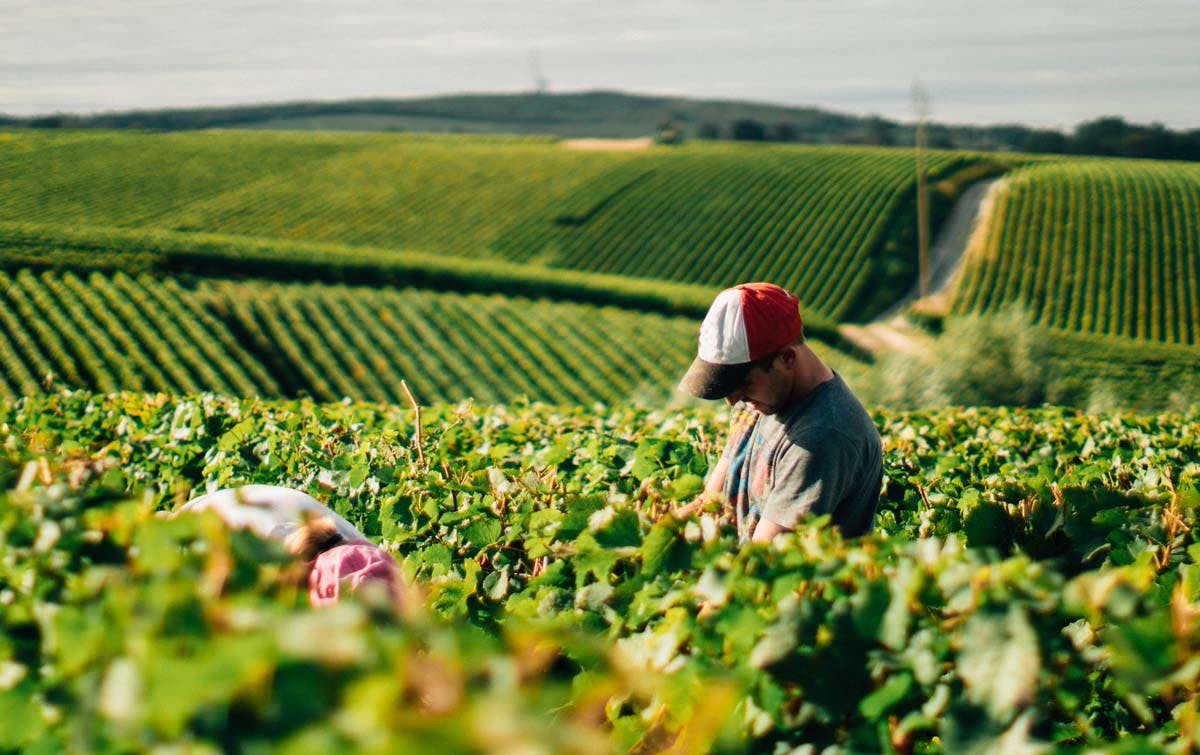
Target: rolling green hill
[
  {"x": 615, "y": 114},
  {"x": 826, "y": 222}
]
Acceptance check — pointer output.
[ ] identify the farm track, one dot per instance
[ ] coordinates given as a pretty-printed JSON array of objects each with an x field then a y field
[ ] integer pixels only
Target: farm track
[
  {"x": 891, "y": 331},
  {"x": 965, "y": 225},
  {"x": 615, "y": 145}
]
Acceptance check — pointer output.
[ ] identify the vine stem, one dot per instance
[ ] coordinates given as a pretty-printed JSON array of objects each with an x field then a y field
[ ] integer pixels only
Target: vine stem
[{"x": 417, "y": 413}]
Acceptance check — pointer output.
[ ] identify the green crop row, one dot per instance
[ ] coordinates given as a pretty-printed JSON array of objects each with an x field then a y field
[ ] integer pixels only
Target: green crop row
[
  {"x": 131, "y": 180},
  {"x": 1095, "y": 246},
  {"x": 118, "y": 332},
  {"x": 341, "y": 341},
  {"x": 1034, "y": 583},
  {"x": 1133, "y": 371}
]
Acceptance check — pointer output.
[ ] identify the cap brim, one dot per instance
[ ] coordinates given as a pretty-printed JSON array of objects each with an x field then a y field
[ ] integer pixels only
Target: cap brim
[{"x": 709, "y": 380}]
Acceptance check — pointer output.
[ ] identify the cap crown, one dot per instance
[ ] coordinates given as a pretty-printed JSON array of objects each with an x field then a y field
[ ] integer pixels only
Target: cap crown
[{"x": 748, "y": 322}]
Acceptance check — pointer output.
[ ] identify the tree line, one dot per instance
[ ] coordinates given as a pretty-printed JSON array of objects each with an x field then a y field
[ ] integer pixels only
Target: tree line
[
  {"x": 621, "y": 114},
  {"x": 1107, "y": 136}
]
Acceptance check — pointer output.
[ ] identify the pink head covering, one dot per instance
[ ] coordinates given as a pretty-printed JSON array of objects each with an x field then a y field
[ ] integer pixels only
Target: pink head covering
[{"x": 354, "y": 564}]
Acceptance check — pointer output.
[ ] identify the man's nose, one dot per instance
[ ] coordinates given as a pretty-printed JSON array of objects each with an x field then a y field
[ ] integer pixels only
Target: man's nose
[{"x": 734, "y": 397}]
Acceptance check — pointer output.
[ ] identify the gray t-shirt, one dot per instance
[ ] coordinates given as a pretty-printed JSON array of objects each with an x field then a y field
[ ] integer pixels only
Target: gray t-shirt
[{"x": 821, "y": 456}]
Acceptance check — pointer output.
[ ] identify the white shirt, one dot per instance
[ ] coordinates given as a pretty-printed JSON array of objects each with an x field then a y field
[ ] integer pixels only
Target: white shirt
[{"x": 270, "y": 511}]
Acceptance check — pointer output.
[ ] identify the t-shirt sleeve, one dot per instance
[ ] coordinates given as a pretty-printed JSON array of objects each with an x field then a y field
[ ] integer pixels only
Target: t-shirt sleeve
[{"x": 809, "y": 478}]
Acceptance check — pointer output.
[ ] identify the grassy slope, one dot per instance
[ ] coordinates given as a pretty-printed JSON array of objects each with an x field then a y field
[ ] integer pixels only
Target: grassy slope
[
  {"x": 448, "y": 125},
  {"x": 593, "y": 113}
]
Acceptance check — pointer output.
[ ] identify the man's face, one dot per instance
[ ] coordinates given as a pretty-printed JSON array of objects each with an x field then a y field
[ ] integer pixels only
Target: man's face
[{"x": 765, "y": 388}]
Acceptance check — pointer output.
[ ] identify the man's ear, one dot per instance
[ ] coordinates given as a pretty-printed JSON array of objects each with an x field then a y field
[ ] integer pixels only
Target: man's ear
[{"x": 789, "y": 354}]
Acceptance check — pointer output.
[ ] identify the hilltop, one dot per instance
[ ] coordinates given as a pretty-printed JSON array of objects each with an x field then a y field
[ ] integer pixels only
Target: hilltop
[{"x": 612, "y": 114}]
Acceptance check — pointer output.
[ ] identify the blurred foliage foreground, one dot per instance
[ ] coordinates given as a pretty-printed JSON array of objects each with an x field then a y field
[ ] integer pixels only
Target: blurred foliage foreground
[{"x": 1032, "y": 586}]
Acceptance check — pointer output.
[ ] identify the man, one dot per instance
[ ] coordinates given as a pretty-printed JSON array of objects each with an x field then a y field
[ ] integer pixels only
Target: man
[{"x": 800, "y": 443}]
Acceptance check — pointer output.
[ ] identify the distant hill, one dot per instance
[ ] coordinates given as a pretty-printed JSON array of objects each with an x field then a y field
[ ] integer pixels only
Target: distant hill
[
  {"x": 622, "y": 115},
  {"x": 597, "y": 114}
]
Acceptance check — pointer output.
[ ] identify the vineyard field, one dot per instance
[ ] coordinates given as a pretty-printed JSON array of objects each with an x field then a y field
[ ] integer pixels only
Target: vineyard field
[
  {"x": 344, "y": 341},
  {"x": 122, "y": 332},
  {"x": 1094, "y": 246},
  {"x": 819, "y": 220},
  {"x": 114, "y": 179},
  {"x": 814, "y": 220},
  {"x": 196, "y": 255},
  {"x": 1094, "y": 249},
  {"x": 1033, "y": 583}
]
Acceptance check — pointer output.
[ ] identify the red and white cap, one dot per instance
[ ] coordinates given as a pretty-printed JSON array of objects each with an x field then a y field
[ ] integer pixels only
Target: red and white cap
[{"x": 744, "y": 323}]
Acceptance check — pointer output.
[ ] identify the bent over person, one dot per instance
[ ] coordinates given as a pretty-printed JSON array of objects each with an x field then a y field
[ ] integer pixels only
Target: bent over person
[
  {"x": 339, "y": 557},
  {"x": 800, "y": 444}
]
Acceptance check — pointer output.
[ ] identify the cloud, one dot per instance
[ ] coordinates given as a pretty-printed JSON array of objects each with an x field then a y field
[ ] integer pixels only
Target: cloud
[{"x": 842, "y": 53}]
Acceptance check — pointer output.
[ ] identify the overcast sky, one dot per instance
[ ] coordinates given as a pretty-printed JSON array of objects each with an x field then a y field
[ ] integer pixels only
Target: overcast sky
[{"x": 1041, "y": 62}]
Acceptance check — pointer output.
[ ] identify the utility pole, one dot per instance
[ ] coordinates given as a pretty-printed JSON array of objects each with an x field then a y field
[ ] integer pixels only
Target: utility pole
[
  {"x": 920, "y": 99},
  {"x": 540, "y": 84}
]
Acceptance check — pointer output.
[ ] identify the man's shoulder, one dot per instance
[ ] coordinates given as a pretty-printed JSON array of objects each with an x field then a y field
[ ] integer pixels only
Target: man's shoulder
[
  {"x": 832, "y": 406},
  {"x": 834, "y": 423}
]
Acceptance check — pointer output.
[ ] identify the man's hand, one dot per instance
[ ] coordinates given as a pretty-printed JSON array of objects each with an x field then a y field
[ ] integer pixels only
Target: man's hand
[
  {"x": 688, "y": 509},
  {"x": 766, "y": 530}
]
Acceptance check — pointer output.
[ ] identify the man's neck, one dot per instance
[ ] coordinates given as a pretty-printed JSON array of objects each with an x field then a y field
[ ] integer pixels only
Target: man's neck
[{"x": 810, "y": 373}]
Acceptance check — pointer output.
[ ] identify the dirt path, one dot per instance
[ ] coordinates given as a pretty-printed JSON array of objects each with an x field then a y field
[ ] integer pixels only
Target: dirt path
[
  {"x": 968, "y": 215},
  {"x": 891, "y": 331},
  {"x": 616, "y": 145}
]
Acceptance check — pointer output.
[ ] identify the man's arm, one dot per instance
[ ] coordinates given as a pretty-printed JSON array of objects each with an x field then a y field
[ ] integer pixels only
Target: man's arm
[{"x": 741, "y": 424}]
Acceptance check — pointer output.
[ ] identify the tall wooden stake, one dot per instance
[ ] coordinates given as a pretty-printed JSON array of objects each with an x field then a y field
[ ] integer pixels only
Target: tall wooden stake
[
  {"x": 417, "y": 412},
  {"x": 921, "y": 105}
]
